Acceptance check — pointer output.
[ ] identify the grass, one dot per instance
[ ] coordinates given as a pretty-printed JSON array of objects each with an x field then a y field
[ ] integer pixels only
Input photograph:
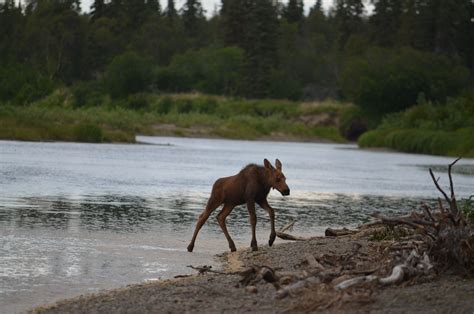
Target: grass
[
  {"x": 389, "y": 233},
  {"x": 467, "y": 208},
  {"x": 428, "y": 129},
  {"x": 59, "y": 117}
]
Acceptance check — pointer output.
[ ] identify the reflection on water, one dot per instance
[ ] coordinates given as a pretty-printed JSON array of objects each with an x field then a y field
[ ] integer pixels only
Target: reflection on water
[
  {"x": 77, "y": 218},
  {"x": 128, "y": 214}
]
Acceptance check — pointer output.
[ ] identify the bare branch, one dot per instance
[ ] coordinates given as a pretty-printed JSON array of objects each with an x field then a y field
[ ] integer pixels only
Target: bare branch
[
  {"x": 439, "y": 188},
  {"x": 453, "y": 204},
  {"x": 428, "y": 211}
]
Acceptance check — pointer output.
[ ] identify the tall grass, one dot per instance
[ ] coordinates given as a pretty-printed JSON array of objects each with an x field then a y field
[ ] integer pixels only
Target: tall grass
[
  {"x": 428, "y": 129},
  {"x": 59, "y": 117}
]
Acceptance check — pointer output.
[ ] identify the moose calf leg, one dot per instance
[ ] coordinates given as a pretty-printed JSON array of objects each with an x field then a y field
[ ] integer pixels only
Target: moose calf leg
[
  {"x": 271, "y": 214},
  {"x": 211, "y": 206},
  {"x": 253, "y": 223},
  {"x": 221, "y": 217}
]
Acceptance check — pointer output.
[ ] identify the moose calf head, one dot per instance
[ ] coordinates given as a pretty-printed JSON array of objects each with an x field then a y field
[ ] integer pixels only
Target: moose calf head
[{"x": 276, "y": 177}]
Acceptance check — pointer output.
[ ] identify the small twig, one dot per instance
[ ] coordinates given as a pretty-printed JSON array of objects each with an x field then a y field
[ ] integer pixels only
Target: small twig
[
  {"x": 440, "y": 204},
  {"x": 205, "y": 269},
  {"x": 428, "y": 212}
]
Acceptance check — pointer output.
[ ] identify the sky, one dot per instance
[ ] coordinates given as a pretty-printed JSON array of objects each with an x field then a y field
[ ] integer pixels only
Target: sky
[{"x": 209, "y": 5}]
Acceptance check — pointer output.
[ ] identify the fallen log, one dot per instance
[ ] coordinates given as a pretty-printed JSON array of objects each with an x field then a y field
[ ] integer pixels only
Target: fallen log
[
  {"x": 338, "y": 232},
  {"x": 284, "y": 292},
  {"x": 313, "y": 263},
  {"x": 355, "y": 281},
  {"x": 286, "y": 236}
]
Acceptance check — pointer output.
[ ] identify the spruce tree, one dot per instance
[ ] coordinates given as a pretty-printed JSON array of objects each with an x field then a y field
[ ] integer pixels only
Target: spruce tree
[
  {"x": 153, "y": 6},
  {"x": 97, "y": 9},
  {"x": 348, "y": 17},
  {"x": 293, "y": 12},
  {"x": 261, "y": 42},
  {"x": 385, "y": 21},
  {"x": 170, "y": 11},
  {"x": 317, "y": 7},
  {"x": 235, "y": 16},
  {"x": 192, "y": 15}
]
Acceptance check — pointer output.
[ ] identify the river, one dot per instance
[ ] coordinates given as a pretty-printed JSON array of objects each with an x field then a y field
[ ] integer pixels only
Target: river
[{"x": 79, "y": 218}]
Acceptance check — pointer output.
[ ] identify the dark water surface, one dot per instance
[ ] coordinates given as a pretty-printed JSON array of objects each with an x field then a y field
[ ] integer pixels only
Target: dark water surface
[{"x": 78, "y": 218}]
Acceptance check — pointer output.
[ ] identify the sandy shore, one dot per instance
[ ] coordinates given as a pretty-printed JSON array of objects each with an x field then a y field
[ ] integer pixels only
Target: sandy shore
[{"x": 215, "y": 293}]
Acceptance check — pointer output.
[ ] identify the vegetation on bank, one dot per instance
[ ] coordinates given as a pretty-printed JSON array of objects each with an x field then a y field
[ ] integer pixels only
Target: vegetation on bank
[
  {"x": 108, "y": 72},
  {"x": 70, "y": 116},
  {"x": 428, "y": 128}
]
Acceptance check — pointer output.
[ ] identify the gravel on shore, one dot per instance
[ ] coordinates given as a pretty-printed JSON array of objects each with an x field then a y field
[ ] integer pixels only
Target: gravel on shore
[{"x": 217, "y": 293}]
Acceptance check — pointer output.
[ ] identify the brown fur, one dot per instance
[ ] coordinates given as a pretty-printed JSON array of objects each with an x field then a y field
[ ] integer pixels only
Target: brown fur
[{"x": 251, "y": 185}]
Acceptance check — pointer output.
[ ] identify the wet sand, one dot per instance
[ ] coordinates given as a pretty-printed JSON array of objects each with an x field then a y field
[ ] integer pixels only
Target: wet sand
[{"x": 216, "y": 293}]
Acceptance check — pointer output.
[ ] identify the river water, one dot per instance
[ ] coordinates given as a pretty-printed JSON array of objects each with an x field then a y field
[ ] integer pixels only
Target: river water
[{"x": 80, "y": 218}]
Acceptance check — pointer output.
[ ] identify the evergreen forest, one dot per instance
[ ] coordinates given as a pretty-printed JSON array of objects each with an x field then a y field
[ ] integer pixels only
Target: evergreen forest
[{"x": 393, "y": 71}]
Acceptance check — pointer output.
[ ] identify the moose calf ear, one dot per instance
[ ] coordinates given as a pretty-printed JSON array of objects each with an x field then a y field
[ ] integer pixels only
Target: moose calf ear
[
  {"x": 278, "y": 164},
  {"x": 267, "y": 164}
]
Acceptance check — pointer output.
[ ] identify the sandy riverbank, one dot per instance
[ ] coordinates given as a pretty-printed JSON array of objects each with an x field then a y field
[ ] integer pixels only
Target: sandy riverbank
[{"x": 212, "y": 293}]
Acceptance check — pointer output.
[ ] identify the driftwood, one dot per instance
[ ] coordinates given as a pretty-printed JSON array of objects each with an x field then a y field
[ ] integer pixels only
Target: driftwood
[
  {"x": 430, "y": 238},
  {"x": 203, "y": 269},
  {"x": 312, "y": 262},
  {"x": 286, "y": 236},
  {"x": 448, "y": 238},
  {"x": 255, "y": 274},
  {"x": 329, "y": 232},
  {"x": 413, "y": 265},
  {"x": 284, "y": 292},
  {"x": 355, "y": 281}
]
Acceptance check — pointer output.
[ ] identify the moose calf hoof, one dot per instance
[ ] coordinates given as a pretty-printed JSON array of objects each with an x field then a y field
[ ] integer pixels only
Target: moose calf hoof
[
  {"x": 190, "y": 248},
  {"x": 271, "y": 240},
  {"x": 254, "y": 248},
  {"x": 233, "y": 249}
]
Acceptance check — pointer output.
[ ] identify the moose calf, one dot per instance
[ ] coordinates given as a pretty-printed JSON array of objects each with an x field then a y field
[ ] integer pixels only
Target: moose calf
[{"x": 251, "y": 185}]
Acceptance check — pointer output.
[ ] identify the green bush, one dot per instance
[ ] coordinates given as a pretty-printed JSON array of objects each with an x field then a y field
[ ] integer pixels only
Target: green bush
[
  {"x": 451, "y": 143},
  {"x": 384, "y": 81},
  {"x": 22, "y": 84},
  {"x": 89, "y": 93},
  {"x": 467, "y": 208},
  {"x": 88, "y": 132},
  {"x": 137, "y": 101},
  {"x": 128, "y": 74},
  {"x": 210, "y": 70},
  {"x": 162, "y": 105},
  {"x": 428, "y": 128},
  {"x": 353, "y": 123}
]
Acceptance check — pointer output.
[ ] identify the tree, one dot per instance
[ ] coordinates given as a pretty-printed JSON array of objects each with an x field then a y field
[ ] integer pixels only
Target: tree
[
  {"x": 234, "y": 21},
  {"x": 348, "y": 18},
  {"x": 55, "y": 33},
  {"x": 318, "y": 7},
  {"x": 384, "y": 81},
  {"x": 97, "y": 9},
  {"x": 192, "y": 15},
  {"x": 261, "y": 42},
  {"x": 127, "y": 74},
  {"x": 385, "y": 21},
  {"x": 153, "y": 6},
  {"x": 293, "y": 12},
  {"x": 12, "y": 25},
  {"x": 170, "y": 11}
]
